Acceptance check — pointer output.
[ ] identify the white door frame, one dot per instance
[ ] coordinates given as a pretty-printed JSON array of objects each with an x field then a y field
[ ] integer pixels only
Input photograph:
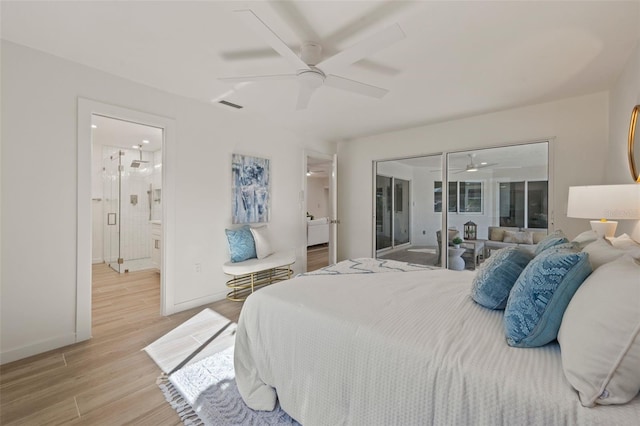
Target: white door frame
[
  {"x": 333, "y": 208},
  {"x": 86, "y": 108}
]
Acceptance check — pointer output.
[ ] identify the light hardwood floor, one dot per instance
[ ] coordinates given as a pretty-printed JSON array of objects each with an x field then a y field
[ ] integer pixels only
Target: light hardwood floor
[
  {"x": 317, "y": 257},
  {"x": 106, "y": 380}
]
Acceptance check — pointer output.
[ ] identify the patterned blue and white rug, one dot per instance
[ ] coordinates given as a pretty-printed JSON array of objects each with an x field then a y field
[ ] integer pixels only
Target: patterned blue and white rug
[{"x": 205, "y": 393}]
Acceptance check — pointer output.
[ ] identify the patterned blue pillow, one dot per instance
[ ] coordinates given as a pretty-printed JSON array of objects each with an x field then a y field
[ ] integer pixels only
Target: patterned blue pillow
[
  {"x": 241, "y": 244},
  {"x": 496, "y": 276},
  {"x": 540, "y": 296},
  {"x": 551, "y": 240}
]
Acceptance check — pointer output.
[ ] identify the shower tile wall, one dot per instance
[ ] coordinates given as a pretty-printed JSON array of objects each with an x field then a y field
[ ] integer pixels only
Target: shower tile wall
[{"x": 156, "y": 210}]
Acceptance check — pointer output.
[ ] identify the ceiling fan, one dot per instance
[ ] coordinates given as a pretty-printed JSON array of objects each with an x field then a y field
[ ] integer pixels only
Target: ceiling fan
[
  {"x": 310, "y": 69},
  {"x": 473, "y": 166}
]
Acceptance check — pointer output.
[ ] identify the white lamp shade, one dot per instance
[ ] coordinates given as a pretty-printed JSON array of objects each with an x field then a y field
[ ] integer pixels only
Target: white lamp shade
[{"x": 604, "y": 202}]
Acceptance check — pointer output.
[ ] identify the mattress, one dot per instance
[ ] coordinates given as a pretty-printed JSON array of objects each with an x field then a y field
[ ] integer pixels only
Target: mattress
[{"x": 405, "y": 348}]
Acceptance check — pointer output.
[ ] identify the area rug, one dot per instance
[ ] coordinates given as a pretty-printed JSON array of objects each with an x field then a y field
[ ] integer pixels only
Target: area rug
[{"x": 205, "y": 393}]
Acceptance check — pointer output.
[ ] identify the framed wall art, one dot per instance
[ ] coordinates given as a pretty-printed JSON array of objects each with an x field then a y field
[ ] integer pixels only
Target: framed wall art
[{"x": 250, "y": 189}]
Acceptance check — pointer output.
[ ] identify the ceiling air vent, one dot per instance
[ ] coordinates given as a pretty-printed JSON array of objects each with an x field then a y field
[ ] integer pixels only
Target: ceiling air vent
[{"x": 230, "y": 104}]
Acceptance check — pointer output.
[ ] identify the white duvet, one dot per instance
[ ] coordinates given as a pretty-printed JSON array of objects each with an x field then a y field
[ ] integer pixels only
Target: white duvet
[{"x": 399, "y": 348}]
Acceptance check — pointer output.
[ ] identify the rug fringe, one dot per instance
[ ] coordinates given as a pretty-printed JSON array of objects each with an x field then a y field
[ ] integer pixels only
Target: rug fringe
[{"x": 186, "y": 413}]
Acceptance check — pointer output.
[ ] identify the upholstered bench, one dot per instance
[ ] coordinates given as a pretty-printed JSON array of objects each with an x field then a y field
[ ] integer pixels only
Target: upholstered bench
[{"x": 251, "y": 274}]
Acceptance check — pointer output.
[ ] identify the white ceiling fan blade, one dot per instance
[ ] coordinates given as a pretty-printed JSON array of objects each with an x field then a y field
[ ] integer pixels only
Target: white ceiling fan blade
[
  {"x": 355, "y": 86},
  {"x": 363, "y": 49},
  {"x": 484, "y": 166},
  {"x": 260, "y": 28},
  {"x": 304, "y": 96},
  {"x": 258, "y": 78}
]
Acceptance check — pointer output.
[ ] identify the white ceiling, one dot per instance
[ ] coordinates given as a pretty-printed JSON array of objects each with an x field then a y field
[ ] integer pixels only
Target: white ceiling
[{"x": 458, "y": 59}]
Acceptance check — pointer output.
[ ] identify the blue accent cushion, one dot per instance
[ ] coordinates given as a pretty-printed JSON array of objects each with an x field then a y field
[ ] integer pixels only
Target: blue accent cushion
[
  {"x": 540, "y": 296},
  {"x": 241, "y": 244},
  {"x": 551, "y": 240},
  {"x": 496, "y": 276}
]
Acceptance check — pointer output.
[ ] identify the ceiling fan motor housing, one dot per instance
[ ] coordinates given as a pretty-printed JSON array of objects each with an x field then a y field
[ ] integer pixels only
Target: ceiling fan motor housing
[
  {"x": 310, "y": 52},
  {"x": 312, "y": 77}
]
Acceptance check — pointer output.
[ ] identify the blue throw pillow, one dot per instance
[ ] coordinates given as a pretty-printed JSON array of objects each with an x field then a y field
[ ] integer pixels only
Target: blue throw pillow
[
  {"x": 241, "y": 244},
  {"x": 551, "y": 240},
  {"x": 496, "y": 276},
  {"x": 540, "y": 296}
]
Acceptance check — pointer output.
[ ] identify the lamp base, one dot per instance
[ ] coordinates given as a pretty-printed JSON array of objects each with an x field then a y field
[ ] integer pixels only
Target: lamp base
[{"x": 604, "y": 229}]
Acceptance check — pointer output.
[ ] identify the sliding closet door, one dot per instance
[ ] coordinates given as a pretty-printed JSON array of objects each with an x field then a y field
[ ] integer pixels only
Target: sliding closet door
[
  {"x": 384, "y": 219},
  {"x": 401, "y": 211}
]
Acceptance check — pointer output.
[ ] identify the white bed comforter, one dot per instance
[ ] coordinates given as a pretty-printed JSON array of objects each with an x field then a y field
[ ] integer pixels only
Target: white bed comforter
[{"x": 399, "y": 348}]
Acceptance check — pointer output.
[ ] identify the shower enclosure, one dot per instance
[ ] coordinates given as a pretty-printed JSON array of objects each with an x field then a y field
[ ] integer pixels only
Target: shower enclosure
[{"x": 128, "y": 178}]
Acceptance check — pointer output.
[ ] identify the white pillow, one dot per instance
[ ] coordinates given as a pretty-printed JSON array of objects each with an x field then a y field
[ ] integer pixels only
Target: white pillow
[
  {"x": 600, "y": 335},
  {"x": 263, "y": 247},
  {"x": 585, "y": 238},
  {"x": 600, "y": 252},
  {"x": 624, "y": 242}
]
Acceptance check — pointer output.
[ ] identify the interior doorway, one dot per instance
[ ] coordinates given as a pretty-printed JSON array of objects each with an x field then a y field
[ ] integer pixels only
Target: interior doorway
[
  {"x": 320, "y": 184},
  {"x": 86, "y": 110}
]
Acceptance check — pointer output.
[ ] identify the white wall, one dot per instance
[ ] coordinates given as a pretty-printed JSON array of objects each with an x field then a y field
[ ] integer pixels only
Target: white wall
[
  {"x": 39, "y": 185},
  {"x": 622, "y": 98},
  {"x": 318, "y": 196},
  {"x": 578, "y": 127}
]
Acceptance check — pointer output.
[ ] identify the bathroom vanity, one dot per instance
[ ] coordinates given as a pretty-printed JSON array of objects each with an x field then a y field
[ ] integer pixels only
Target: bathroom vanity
[{"x": 156, "y": 243}]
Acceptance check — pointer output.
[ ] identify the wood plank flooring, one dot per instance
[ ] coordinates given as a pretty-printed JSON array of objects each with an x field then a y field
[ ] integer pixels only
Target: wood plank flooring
[
  {"x": 107, "y": 380},
  {"x": 317, "y": 257}
]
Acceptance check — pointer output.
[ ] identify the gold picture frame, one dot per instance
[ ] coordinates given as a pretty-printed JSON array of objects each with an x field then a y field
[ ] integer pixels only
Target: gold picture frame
[{"x": 634, "y": 155}]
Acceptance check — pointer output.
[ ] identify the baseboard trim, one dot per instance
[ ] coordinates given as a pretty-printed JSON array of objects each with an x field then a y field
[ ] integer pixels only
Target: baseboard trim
[
  {"x": 37, "y": 348},
  {"x": 194, "y": 303}
]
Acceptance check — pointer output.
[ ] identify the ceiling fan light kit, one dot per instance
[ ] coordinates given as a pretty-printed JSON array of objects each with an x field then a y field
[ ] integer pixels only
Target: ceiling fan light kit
[{"x": 310, "y": 70}]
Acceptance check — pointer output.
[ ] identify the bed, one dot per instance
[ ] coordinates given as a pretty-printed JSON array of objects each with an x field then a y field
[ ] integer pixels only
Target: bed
[{"x": 400, "y": 347}]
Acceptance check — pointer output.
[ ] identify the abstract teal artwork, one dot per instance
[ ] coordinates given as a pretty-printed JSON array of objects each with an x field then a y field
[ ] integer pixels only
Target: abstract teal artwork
[{"x": 250, "y": 188}]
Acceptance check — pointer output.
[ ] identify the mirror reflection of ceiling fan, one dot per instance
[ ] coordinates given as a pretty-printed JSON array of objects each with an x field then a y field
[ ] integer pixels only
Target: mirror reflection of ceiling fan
[
  {"x": 473, "y": 166},
  {"x": 310, "y": 69}
]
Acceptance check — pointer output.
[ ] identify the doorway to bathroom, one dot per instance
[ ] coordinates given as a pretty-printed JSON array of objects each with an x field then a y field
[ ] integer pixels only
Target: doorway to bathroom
[{"x": 126, "y": 194}]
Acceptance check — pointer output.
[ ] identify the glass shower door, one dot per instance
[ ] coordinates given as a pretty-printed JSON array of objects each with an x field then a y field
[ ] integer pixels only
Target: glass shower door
[{"x": 112, "y": 185}]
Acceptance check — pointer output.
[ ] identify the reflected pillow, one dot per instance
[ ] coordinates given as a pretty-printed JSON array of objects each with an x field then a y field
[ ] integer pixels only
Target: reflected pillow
[
  {"x": 551, "y": 240},
  {"x": 540, "y": 296},
  {"x": 496, "y": 234},
  {"x": 496, "y": 277},
  {"x": 263, "y": 246},
  {"x": 518, "y": 237},
  {"x": 241, "y": 244},
  {"x": 600, "y": 335},
  {"x": 539, "y": 236}
]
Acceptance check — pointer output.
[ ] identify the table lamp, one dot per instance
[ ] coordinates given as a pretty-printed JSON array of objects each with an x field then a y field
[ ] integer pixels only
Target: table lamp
[{"x": 604, "y": 202}]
